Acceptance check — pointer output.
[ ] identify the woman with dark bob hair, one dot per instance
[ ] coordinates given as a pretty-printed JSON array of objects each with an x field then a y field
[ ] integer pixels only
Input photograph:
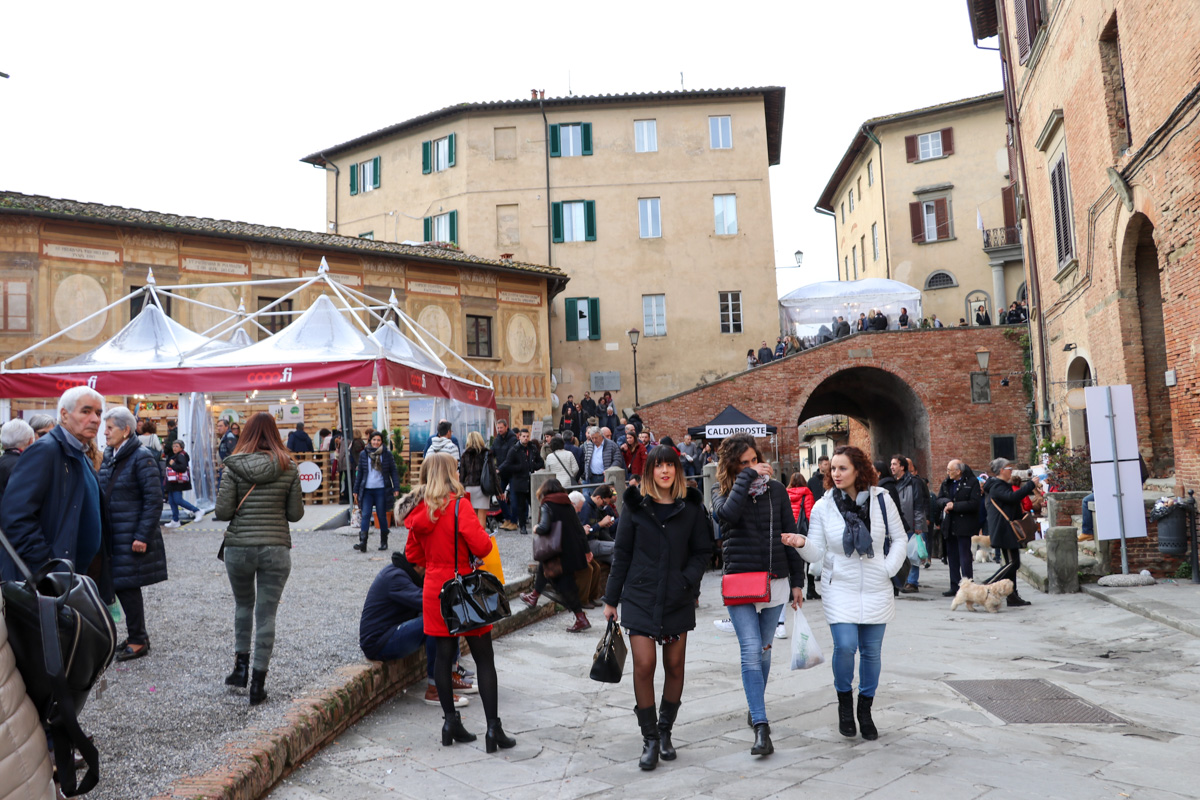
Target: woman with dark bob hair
[
  {"x": 847, "y": 534},
  {"x": 754, "y": 512},
  {"x": 664, "y": 542}
]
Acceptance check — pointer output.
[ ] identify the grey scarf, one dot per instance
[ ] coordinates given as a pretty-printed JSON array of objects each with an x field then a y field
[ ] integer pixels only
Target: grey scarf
[{"x": 856, "y": 538}]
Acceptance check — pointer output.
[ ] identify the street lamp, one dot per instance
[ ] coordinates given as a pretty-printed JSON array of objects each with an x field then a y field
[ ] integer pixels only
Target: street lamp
[
  {"x": 634, "y": 333},
  {"x": 799, "y": 257},
  {"x": 982, "y": 355}
]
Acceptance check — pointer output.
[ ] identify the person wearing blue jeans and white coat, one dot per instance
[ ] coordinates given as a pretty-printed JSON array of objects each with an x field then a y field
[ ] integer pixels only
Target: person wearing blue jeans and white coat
[{"x": 846, "y": 534}]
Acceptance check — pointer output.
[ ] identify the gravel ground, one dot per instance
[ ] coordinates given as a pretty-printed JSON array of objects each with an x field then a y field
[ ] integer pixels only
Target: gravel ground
[{"x": 170, "y": 714}]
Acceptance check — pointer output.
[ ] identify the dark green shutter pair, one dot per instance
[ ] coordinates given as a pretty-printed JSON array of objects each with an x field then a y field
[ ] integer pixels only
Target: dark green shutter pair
[
  {"x": 427, "y": 154},
  {"x": 585, "y": 138},
  {"x": 376, "y": 163},
  {"x": 589, "y": 221},
  {"x": 572, "y": 317},
  {"x": 428, "y": 226}
]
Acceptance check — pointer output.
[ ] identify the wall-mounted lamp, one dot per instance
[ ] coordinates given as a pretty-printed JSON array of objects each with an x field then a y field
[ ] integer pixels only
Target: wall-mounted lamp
[
  {"x": 983, "y": 355},
  {"x": 1069, "y": 347}
]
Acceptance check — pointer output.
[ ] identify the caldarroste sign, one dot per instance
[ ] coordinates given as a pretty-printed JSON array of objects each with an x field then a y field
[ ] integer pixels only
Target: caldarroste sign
[{"x": 757, "y": 429}]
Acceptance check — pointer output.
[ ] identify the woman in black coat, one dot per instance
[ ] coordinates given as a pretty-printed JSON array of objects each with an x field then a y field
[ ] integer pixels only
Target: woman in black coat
[
  {"x": 754, "y": 511},
  {"x": 130, "y": 482},
  {"x": 178, "y": 463},
  {"x": 556, "y": 508},
  {"x": 1003, "y": 500},
  {"x": 664, "y": 542},
  {"x": 958, "y": 501}
]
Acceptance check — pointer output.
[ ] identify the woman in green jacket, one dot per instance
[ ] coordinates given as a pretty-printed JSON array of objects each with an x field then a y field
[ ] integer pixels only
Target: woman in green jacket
[{"x": 259, "y": 495}]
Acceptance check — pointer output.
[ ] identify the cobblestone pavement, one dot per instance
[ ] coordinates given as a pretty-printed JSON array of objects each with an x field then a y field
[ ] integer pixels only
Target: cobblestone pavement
[{"x": 577, "y": 738}]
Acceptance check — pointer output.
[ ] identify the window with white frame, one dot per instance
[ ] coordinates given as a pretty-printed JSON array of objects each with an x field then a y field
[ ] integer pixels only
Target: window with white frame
[
  {"x": 654, "y": 315},
  {"x": 870, "y": 173},
  {"x": 929, "y": 145},
  {"x": 441, "y": 154},
  {"x": 645, "y": 136},
  {"x": 875, "y": 239},
  {"x": 367, "y": 235},
  {"x": 720, "y": 133},
  {"x": 364, "y": 176},
  {"x": 929, "y": 215},
  {"x": 725, "y": 214},
  {"x": 731, "y": 311},
  {"x": 441, "y": 228},
  {"x": 649, "y": 219},
  {"x": 574, "y": 226},
  {"x": 571, "y": 139},
  {"x": 851, "y": 200},
  {"x": 15, "y": 314}
]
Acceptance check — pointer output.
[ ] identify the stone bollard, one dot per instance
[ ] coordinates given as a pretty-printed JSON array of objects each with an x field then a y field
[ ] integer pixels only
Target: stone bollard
[
  {"x": 710, "y": 480},
  {"x": 536, "y": 479},
  {"x": 615, "y": 477},
  {"x": 1062, "y": 560}
]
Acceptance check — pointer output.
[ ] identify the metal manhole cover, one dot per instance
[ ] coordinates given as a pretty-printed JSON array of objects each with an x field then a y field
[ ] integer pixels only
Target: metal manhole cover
[
  {"x": 1075, "y": 668},
  {"x": 1032, "y": 701}
]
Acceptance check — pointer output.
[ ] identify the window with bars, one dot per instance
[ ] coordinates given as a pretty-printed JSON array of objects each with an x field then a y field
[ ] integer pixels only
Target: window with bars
[
  {"x": 15, "y": 316},
  {"x": 654, "y": 315},
  {"x": 730, "y": 304},
  {"x": 479, "y": 336},
  {"x": 940, "y": 280},
  {"x": 725, "y": 214},
  {"x": 720, "y": 133},
  {"x": 1060, "y": 192}
]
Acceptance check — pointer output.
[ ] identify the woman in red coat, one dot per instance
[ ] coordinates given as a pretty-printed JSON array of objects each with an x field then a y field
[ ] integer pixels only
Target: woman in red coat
[{"x": 431, "y": 545}]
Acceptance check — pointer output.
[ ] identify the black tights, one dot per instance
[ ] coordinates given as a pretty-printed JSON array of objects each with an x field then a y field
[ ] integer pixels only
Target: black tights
[
  {"x": 645, "y": 660},
  {"x": 485, "y": 672},
  {"x": 1013, "y": 556}
]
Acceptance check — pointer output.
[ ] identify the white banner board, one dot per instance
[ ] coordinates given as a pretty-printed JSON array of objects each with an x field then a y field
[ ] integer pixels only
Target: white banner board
[
  {"x": 723, "y": 431},
  {"x": 310, "y": 476},
  {"x": 1100, "y": 437},
  {"x": 1104, "y": 484}
]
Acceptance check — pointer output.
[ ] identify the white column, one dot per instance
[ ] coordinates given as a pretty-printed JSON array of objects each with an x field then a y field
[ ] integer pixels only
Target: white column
[
  {"x": 998, "y": 293},
  {"x": 5, "y": 410}
]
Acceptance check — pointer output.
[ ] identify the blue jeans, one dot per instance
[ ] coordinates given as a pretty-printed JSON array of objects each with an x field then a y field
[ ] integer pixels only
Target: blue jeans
[
  {"x": 755, "y": 632},
  {"x": 404, "y": 640},
  {"x": 1088, "y": 525},
  {"x": 176, "y": 500},
  {"x": 378, "y": 499},
  {"x": 867, "y": 640}
]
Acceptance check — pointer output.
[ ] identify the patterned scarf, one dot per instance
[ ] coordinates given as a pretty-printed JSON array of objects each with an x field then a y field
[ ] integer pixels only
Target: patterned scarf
[
  {"x": 759, "y": 486},
  {"x": 375, "y": 455}
]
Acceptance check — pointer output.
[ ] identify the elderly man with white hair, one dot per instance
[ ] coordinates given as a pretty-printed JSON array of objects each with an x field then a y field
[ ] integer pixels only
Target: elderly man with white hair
[
  {"x": 15, "y": 436},
  {"x": 51, "y": 507}
]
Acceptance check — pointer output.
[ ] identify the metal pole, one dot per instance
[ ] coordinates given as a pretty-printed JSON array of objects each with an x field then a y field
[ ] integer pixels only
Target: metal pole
[
  {"x": 1112, "y": 432},
  {"x": 635, "y": 382}
]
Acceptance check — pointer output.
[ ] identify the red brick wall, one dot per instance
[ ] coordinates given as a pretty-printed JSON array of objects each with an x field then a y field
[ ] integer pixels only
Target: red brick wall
[{"x": 935, "y": 364}]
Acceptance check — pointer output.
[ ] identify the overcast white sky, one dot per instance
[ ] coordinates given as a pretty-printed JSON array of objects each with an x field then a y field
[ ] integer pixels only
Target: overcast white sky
[{"x": 206, "y": 108}]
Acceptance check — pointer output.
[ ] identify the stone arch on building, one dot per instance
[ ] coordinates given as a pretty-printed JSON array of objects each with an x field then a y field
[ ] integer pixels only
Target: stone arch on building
[
  {"x": 1144, "y": 327},
  {"x": 1079, "y": 376},
  {"x": 976, "y": 298},
  {"x": 888, "y": 402}
]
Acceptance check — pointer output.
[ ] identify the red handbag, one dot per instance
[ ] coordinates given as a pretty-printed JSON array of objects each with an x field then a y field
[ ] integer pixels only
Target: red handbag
[{"x": 743, "y": 588}]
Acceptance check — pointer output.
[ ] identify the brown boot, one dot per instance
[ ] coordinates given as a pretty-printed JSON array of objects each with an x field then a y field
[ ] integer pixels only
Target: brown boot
[{"x": 581, "y": 623}]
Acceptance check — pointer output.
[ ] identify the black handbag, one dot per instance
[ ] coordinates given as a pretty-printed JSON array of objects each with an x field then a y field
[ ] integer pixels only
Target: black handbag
[
  {"x": 471, "y": 601},
  {"x": 548, "y": 545},
  {"x": 63, "y": 638},
  {"x": 608, "y": 664}
]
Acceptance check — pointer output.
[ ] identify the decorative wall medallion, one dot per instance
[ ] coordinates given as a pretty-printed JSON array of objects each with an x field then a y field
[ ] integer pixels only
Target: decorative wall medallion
[
  {"x": 75, "y": 298},
  {"x": 205, "y": 318},
  {"x": 435, "y": 320},
  {"x": 521, "y": 338}
]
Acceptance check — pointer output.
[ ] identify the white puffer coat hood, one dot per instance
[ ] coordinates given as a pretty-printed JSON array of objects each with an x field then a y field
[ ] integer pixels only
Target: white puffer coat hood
[{"x": 856, "y": 588}]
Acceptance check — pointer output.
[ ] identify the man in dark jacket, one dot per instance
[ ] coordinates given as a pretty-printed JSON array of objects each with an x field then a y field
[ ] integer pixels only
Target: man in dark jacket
[
  {"x": 299, "y": 441},
  {"x": 392, "y": 625},
  {"x": 958, "y": 500},
  {"x": 599, "y": 519},
  {"x": 587, "y": 409},
  {"x": 15, "y": 436},
  {"x": 765, "y": 355},
  {"x": 52, "y": 504},
  {"x": 888, "y": 483},
  {"x": 816, "y": 484},
  {"x": 1001, "y": 501},
  {"x": 523, "y": 460},
  {"x": 502, "y": 442},
  {"x": 843, "y": 328}
]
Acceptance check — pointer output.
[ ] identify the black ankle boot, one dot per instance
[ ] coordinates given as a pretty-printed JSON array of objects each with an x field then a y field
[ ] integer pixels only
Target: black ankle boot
[
  {"x": 666, "y": 720},
  {"x": 762, "y": 740},
  {"x": 241, "y": 671},
  {"x": 383, "y": 545},
  {"x": 846, "y": 714},
  {"x": 869, "y": 731},
  {"x": 648, "y": 721},
  {"x": 812, "y": 589},
  {"x": 453, "y": 731},
  {"x": 362, "y": 544},
  {"x": 495, "y": 737},
  {"x": 1016, "y": 601},
  {"x": 257, "y": 693}
]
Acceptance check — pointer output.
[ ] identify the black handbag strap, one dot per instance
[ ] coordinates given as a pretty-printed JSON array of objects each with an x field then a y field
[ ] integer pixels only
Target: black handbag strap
[{"x": 456, "y": 499}]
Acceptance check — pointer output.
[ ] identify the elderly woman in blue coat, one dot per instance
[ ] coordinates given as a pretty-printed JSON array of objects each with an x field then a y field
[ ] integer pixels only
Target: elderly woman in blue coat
[{"x": 129, "y": 479}]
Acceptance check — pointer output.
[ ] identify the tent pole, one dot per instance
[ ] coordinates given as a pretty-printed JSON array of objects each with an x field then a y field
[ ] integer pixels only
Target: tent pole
[{"x": 50, "y": 339}]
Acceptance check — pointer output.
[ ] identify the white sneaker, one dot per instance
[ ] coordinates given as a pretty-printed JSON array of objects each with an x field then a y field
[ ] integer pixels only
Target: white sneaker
[
  {"x": 723, "y": 625},
  {"x": 199, "y": 516},
  {"x": 172, "y": 524},
  {"x": 781, "y": 631}
]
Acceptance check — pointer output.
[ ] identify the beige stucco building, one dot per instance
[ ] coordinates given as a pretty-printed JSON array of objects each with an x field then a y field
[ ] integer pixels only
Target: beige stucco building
[
  {"x": 908, "y": 198},
  {"x": 657, "y": 205}
]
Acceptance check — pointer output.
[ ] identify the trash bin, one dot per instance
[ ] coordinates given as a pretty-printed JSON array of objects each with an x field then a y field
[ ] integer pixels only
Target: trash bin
[{"x": 1173, "y": 532}]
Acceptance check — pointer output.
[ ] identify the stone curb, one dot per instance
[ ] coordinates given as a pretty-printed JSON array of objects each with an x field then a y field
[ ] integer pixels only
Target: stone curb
[
  {"x": 1122, "y": 599},
  {"x": 253, "y": 767},
  {"x": 1035, "y": 573}
]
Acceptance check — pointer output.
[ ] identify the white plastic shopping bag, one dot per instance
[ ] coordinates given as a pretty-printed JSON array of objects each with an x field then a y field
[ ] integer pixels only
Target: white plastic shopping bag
[{"x": 806, "y": 653}]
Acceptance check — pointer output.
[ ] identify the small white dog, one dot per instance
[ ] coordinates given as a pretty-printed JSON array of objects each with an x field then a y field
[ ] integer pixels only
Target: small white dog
[
  {"x": 987, "y": 595},
  {"x": 981, "y": 548}
]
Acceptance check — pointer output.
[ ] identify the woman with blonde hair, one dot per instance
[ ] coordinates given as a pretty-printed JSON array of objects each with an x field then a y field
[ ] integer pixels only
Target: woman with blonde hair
[
  {"x": 443, "y": 535},
  {"x": 471, "y": 466}
]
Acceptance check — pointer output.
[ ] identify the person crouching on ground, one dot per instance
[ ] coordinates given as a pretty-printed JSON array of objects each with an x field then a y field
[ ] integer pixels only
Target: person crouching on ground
[
  {"x": 754, "y": 511},
  {"x": 560, "y": 571},
  {"x": 664, "y": 542},
  {"x": 846, "y": 533},
  {"x": 444, "y": 533}
]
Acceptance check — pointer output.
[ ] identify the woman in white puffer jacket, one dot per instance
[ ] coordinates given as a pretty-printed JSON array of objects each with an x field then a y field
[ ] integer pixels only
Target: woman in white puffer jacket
[
  {"x": 846, "y": 535},
  {"x": 24, "y": 760}
]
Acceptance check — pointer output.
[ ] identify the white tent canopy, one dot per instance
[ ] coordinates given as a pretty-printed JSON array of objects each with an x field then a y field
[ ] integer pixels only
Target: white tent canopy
[{"x": 819, "y": 303}]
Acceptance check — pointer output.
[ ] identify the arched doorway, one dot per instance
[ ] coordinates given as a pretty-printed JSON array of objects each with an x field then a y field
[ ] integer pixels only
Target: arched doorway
[
  {"x": 976, "y": 299},
  {"x": 893, "y": 413},
  {"x": 1079, "y": 376},
  {"x": 1140, "y": 267}
]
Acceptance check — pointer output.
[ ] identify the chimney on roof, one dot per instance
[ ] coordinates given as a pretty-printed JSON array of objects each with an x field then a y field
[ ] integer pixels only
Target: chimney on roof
[
  {"x": 541, "y": 94},
  {"x": 534, "y": 93}
]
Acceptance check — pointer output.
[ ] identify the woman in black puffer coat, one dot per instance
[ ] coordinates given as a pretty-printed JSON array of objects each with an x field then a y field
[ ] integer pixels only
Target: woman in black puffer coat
[
  {"x": 1004, "y": 501},
  {"x": 130, "y": 481},
  {"x": 754, "y": 511},
  {"x": 556, "y": 507},
  {"x": 664, "y": 542}
]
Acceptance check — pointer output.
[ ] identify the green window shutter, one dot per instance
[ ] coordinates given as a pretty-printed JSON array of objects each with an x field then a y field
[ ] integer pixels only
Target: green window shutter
[
  {"x": 593, "y": 317},
  {"x": 353, "y": 179},
  {"x": 426, "y": 158},
  {"x": 454, "y": 227},
  {"x": 428, "y": 229},
  {"x": 378, "y": 163},
  {"x": 450, "y": 150},
  {"x": 556, "y": 222},
  {"x": 572, "y": 317},
  {"x": 589, "y": 220},
  {"x": 555, "y": 142},
  {"x": 586, "y": 137}
]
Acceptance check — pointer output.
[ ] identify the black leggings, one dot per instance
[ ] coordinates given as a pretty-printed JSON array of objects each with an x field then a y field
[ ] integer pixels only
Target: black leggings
[{"x": 485, "y": 672}]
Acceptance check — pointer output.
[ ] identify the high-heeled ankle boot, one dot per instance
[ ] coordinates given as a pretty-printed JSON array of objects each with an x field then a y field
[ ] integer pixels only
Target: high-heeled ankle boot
[
  {"x": 241, "y": 671},
  {"x": 453, "y": 730},
  {"x": 846, "y": 714},
  {"x": 495, "y": 737},
  {"x": 762, "y": 740},
  {"x": 666, "y": 720},
  {"x": 258, "y": 677},
  {"x": 869, "y": 731},
  {"x": 530, "y": 598},
  {"x": 648, "y": 721}
]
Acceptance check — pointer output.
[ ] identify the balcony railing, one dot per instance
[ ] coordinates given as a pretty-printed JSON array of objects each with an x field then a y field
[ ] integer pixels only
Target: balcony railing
[{"x": 1001, "y": 237}]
